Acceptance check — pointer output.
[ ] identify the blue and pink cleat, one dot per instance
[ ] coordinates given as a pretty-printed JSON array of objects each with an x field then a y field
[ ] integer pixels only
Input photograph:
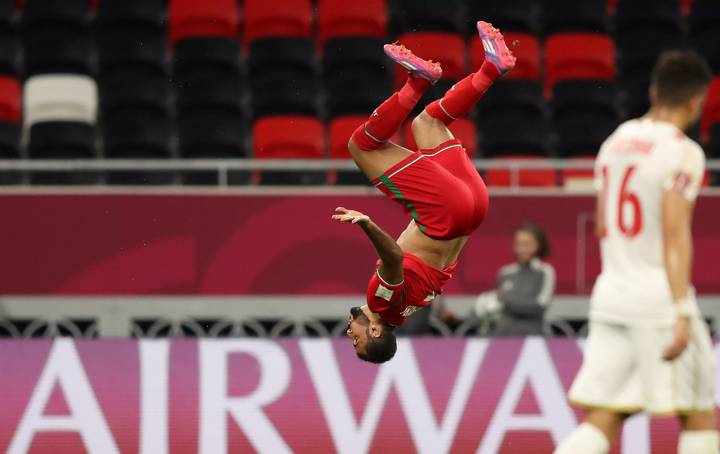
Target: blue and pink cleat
[
  {"x": 496, "y": 51},
  {"x": 418, "y": 67}
]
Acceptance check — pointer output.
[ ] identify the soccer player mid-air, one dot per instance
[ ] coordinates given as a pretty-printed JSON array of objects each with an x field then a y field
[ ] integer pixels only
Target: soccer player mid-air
[
  {"x": 438, "y": 187},
  {"x": 648, "y": 348}
]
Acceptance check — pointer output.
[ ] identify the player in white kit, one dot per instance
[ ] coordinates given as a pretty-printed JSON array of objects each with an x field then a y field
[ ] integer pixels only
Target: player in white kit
[{"x": 648, "y": 348}]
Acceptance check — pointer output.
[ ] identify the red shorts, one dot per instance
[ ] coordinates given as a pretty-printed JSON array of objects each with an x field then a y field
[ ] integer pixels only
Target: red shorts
[{"x": 440, "y": 189}]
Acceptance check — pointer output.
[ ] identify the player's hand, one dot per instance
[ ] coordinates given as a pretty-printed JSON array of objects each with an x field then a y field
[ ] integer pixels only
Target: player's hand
[
  {"x": 681, "y": 335},
  {"x": 342, "y": 214}
]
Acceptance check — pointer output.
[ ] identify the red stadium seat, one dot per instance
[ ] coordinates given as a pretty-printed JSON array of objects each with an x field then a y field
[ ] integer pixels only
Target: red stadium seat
[
  {"x": 192, "y": 18},
  {"x": 463, "y": 130},
  {"x": 446, "y": 48},
  {"x": 10, "y": 109},
  {"x": 711, "y": 115},
  {"x": 686, "y": 7},
  {"x": 527, "y": 52},
  {"x": 285, "y": 18},
  {"x": 289, "y": 137},
  {"x": 342, "y": 18},
  {"x": 531, "y": 178},
  {"x": 572, "y": 56},
  {"x": 340, "y": 130}
]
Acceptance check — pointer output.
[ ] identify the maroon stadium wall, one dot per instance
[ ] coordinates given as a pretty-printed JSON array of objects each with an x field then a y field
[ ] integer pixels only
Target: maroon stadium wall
[{"x": 273, "y": 244}]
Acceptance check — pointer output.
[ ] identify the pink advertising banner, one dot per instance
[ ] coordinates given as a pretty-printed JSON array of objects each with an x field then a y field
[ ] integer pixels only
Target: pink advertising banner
[
  {"x": 295, "y": 396},
  {"x": 279, "y": 244}
]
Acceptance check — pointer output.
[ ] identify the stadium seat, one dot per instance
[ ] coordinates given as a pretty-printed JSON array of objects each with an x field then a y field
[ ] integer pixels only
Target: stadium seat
[
  {"x": 527, "y": 52},
  {"x": 60, "y": 97},
  {"x": 639, "y": 51},
  {"x": 430, "y": 15},
  {"x": 9, "y": 139},
  {"x": 340, "y": 18},
  {"x": 705, "y": 30},
  {"x": 211, "y": 133},
  {"x": 8, "y": 51},
  {"x": 515, "y": 16},
  {"x": 137, "y": 133},
  {"x": 289, "y": 18},
  {"x": 525, "y": 178},
  {"x": 207, "y": 73},
  {"x": 356, "y": 76},
  {"x": 131, "y": 12},
  {"x": 581, "y": 132},
  {"x": 647, "y": 14},
  {"x": 512, "y": 95},
  {"x": 10, "y": 109},
  {"x": 463, "y": 130},
  {"x": 339, "y": 131},
  {"x": 571, "y": 56},
  {"x": 282, "y": 77},
  {"x": 513, "y": 133},
  {"x": 60, "y": 113},
  {"x": 58, "y": 49},
  {"x": 289, "y": 137},
  {"x": 43, "y": 13},
  {"x": 575, "y": 16},
  {"x": 711, "y": 114},
  {"x": 134, "y": 87},
  {"x": 714, "y": 143},
  {"x": 7, "y": 12},
  {"x": 131, "y": 44},
  {"x": 597, "y": 95},
  {"x": 192, "y": 18},
  {"x": 446, "y": 48}
]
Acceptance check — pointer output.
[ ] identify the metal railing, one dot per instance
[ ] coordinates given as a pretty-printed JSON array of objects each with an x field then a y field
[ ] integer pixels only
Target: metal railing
[{"x": 224, "y": 166}]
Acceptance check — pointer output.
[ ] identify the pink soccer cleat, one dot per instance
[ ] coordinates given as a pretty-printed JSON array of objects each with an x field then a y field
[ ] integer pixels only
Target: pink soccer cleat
[
  {"x": 496, "y": 51},
  {"x": 417, "y": 67}
]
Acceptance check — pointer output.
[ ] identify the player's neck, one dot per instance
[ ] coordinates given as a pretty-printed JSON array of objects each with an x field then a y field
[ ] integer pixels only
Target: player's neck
[{"x": 676, "y": 117}]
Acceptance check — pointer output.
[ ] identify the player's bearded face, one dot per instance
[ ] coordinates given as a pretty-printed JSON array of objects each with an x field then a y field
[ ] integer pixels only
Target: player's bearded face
[{"x": 357, "y": 328}]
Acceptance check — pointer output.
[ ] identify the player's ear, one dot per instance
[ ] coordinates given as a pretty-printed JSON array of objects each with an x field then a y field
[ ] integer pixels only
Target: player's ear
[{"x": 376, "y": 329}]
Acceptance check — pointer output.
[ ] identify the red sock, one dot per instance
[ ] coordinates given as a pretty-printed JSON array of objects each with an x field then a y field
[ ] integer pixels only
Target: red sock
[
  {"x": 386, "y": 120},
  {"x": 461, "y": 98}
]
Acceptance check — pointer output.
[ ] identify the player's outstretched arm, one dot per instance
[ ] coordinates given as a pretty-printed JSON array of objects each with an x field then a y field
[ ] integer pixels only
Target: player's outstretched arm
[
  {"x": 677, "y": 239},
  {"x": 387, "y": 249}
]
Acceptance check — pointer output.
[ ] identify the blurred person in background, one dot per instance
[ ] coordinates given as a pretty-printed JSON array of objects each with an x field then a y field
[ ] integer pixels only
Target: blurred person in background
[{"x": 524, "y": 288}]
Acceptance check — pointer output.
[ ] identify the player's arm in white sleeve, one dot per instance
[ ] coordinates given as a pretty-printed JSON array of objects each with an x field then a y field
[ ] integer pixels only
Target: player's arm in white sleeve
[
  {"x": 599, "y": 185},
  {"x": 680, "y": 190}
]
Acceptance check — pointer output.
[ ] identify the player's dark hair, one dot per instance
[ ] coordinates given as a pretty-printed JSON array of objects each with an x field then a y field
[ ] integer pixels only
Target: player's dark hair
[
  {"x": 382, "y": 348},
  {"x": 678, "y": 76},
  {"x": 544, "y": 249}
]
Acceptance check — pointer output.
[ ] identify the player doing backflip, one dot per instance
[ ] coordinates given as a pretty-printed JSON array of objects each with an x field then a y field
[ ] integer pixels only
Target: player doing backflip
[{"x": 438, "y": 187}]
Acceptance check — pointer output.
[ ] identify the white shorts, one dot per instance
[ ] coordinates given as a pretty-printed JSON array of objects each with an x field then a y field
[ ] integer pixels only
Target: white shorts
[{"x": 623, "y": 370}]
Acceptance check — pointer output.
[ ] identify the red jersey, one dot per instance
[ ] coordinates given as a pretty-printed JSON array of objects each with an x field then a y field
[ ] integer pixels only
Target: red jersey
[{"x": 421, "y": 283}]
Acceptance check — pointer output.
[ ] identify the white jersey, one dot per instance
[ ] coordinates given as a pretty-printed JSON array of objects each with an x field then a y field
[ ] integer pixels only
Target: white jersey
[{"x": 636, "y": 164}]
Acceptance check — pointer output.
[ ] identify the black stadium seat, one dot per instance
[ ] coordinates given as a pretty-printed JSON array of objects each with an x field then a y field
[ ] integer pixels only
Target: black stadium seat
[
  {"x": 137, "y": 133},
  {"x": 513, "y": 133},
  {"x": 52, "y": 12},
  {"x": 280, "y": 53},
  {"x": 515, "y": 16},
  {"x": 62, "y": 140},
  {"x": 430, "y": 15},
  {"x": 582, "y": 133},
  {"x": 705, "y": 29},
  {"x": 9, "y": 140},
  {"x": 58, "y": 49},
  {"x": 148, "y": 12},
  {"x": 207, "y": 73},
  {"x": 575, "y": 16},
  {"x": 356, "y": 75},
  {"x": 513, "y": 95},
  {"x": 212, "y": 133},
  {"x": 132, "y": 44},
  {"x": 134, "y": 87},
  {"x": 597, "y": 95},
  {"x": 641, "y": 15},
  {"x": 7, "y": 11},
  {"x": 8, "y": 51}
]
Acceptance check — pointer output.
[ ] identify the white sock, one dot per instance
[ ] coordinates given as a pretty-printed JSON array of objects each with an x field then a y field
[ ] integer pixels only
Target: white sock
[
  {"x": 586, "y": 439},
  {"x": 699, "y": 442}
]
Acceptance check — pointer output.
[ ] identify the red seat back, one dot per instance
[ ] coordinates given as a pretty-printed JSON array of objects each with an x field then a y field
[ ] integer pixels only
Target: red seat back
[
  {"x": 289, "y": 137},
  {"x": 570, "y": 56},
  {"x": 190, "y": 18},
  {"x": 446, "y": 48},
  {"x": 527, "y": 52},
  {"x": 340, "y": 130},
  {"x": 529, "y": 177},
  {"x": 267, "y": 19},
  {"x": 10, "y": 105},
  {"x": 464, "y": 130},
  {"x": 344, "y": 18}
]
